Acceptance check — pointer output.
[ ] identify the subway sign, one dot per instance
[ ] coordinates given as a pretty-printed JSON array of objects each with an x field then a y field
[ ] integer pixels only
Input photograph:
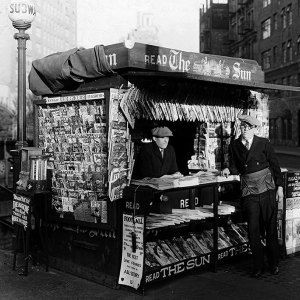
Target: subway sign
[{"x": 22, "y": 11}]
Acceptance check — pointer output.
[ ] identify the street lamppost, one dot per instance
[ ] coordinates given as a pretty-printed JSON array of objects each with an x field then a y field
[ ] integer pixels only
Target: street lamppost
[{"x": 21, "y": 13}]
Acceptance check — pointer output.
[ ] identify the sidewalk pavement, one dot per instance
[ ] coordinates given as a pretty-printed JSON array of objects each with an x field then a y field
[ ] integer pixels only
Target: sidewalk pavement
[{"x": 232, "y": 281}]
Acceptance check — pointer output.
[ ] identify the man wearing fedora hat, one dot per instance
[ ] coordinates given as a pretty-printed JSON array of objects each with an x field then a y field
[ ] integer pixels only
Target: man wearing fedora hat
[
  {"x": 157, "y": 158},
  {"x": 254, "y": 159}
]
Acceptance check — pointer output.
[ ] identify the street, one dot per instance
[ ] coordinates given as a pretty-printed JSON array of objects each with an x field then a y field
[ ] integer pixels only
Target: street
[{"x": 231, "y": 281}]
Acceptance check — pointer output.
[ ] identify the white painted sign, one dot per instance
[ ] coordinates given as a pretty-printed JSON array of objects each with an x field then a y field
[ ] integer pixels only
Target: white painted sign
[{"x": 131, "y": 271}]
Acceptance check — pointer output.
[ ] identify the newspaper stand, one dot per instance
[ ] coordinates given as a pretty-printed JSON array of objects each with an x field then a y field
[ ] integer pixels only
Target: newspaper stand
[
  {"x": 87, "y": 129},
  {"x": 30, "y": 237}
]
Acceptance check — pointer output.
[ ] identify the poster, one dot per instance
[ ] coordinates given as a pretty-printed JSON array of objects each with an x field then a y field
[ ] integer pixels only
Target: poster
[
  {"x": 131, "y": 271},
  {"x": 292, "y": 231},
  {"x": 21, "y": 210}
]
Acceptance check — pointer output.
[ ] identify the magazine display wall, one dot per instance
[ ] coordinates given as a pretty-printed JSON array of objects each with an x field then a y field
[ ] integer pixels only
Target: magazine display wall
[
  {"x": 87, "y": 139},
  {"x": 86, "y": 153}
]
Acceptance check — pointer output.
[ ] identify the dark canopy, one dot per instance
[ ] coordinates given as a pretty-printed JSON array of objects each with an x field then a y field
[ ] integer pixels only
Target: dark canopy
[{"x": 67, "y": 70}]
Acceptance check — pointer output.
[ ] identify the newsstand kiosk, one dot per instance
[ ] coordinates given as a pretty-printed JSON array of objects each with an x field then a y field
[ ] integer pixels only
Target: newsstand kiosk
[{"x": 99, "y": 223}]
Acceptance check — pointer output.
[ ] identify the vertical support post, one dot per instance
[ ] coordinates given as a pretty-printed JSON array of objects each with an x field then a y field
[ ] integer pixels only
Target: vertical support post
[
  {"x": 285, "y": 175},
  {"x": 215, "y": 226},
  {"x": 21, "y": 37},
  {"x": 16, "y": 166}
]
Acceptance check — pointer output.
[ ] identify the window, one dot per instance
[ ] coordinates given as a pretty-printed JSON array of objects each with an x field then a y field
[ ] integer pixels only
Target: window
[
  {"x": 283, "y": 53},
  {"x": 284, "y": 81},
  {"x": 289, "y": 50},
  {"x": 271, "y": 126},
  {"x": 266, "y": 3},
  {"x": 289, "y": 14},
  {"x": 289, "y": 129},
  {"x": 266, "y": 28},
  {"x": 275, "y": 22},
  {"x": 283, "y": 128},
  {"x": 283, "y": 18},
  {"x": 266, "y": 59},
  {"x": 275, "y": 50}
]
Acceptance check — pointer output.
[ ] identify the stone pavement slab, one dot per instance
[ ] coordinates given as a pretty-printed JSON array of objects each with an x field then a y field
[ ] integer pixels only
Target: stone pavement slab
[{"x": 232, "y": 281}]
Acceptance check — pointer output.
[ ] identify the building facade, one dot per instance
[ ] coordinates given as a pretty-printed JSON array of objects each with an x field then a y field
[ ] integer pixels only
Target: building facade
[
  {"x": 214, "y": 27},
  {"x": 54, "y": 29},
  {"x": 268, "y": 31}
]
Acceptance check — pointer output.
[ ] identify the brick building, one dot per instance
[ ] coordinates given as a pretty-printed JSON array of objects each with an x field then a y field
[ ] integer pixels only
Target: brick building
[{"x": 269, "y": 31}]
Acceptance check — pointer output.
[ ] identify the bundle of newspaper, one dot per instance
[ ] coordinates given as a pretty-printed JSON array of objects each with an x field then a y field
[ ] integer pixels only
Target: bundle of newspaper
[
  {"x": 162, "y": 220},
  {"x": 162, "y": 183},
  {"x": 178, "y": 216},
  {"x": 223, "y": 209},
  {"x": 192, "y": 214},
  {"x": 174, "y": 181},
  {"x": 164, "y": 252}
]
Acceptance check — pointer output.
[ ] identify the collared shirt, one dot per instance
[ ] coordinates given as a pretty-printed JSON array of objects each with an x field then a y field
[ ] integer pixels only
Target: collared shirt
[{"x": 247, "y": 143}]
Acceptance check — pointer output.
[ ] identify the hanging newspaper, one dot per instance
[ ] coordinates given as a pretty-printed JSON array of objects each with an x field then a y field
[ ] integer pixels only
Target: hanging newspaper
[{"x": 119, "y": 147}]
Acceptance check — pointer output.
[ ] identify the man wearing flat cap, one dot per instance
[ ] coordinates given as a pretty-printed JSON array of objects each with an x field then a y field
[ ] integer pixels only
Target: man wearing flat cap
[
  {"x": 157, "y": 158},
  {"x": 254, "y": 159}
]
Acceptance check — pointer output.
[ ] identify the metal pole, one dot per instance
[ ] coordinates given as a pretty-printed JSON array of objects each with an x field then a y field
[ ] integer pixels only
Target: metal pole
[{"x": 21, "y": 36}]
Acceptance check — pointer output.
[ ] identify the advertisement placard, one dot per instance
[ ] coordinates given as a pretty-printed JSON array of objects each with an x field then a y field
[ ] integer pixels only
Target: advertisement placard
[{"x": 131, "y": 271}]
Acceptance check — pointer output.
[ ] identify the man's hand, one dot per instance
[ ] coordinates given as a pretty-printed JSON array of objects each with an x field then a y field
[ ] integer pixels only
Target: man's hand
[
  {"x": 225, "y": 172},
  {"x": 279, "y": 194},
  {"x": 177, "y": 175}
]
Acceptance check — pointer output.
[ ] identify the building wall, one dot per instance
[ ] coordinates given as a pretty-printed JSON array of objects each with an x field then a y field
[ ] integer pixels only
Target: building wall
[
  {"x": 54, "y": 29},
  {"x": 254, "y": 33},
  {"x": 214, "y": 29},
  {"x": 243, "y": 29},
  {"x": 282, "y": 66}
]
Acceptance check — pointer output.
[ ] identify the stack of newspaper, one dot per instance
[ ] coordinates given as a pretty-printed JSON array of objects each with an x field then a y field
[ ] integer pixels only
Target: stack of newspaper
[
  {"x": 164, "y": 252},
  {"x": 175, "y": 181}
]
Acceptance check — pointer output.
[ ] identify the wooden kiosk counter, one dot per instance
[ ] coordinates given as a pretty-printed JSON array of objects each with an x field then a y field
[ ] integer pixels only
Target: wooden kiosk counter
[{"x": 97, "y": 106}]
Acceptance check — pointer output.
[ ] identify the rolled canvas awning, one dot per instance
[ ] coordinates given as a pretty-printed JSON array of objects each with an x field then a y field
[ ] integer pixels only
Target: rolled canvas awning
[{"x": 146, "y": 61}]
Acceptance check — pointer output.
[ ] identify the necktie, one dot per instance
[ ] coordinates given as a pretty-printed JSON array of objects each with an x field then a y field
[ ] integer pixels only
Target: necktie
[
  {"x": 162, "y": 153},
  {"x": 247, "y": 144}
]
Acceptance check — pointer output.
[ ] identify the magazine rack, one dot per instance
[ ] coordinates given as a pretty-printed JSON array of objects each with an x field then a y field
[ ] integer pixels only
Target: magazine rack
[{"x": 140, "y": 201}]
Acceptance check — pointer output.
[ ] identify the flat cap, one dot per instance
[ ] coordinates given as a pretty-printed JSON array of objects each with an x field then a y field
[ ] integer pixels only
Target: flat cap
[
  {"x": 249, "y": 120},
  {"x": 161, "y": 132}
]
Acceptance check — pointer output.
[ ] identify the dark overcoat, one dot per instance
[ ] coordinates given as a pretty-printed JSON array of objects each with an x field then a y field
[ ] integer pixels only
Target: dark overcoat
[
  {"x": 261, "y": 155},
  {"x": 149, "y": 162}
]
